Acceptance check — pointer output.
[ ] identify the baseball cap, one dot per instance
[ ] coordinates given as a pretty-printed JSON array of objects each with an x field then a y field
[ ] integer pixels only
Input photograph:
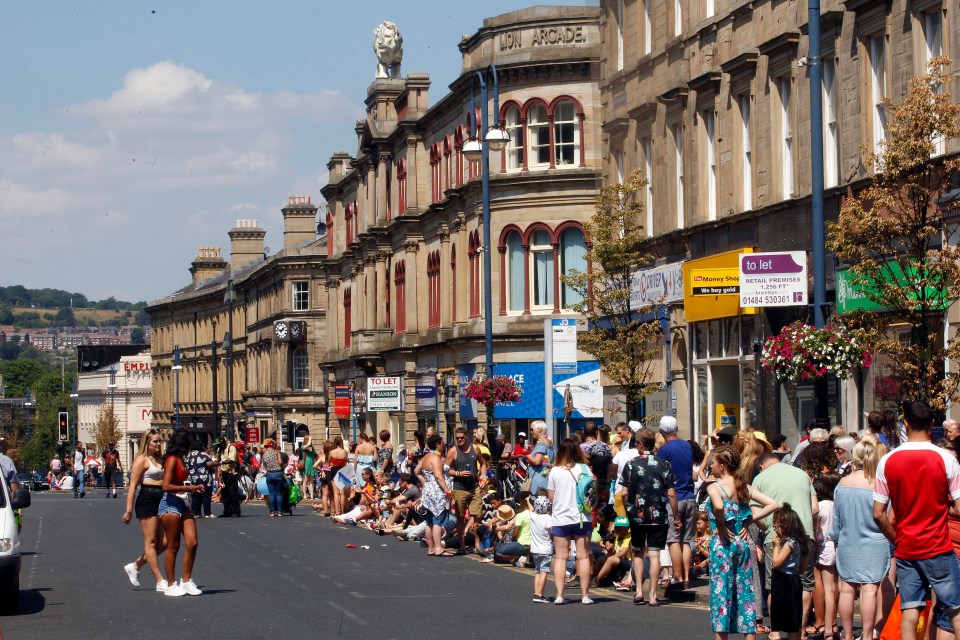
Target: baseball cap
[
  {"x": 634, "y": 426},
  {"x": 668, "y": 424},
  {"x": 729, "y": 432},
  {"x": 522, "y": 434},
  {"x": 621, "y": 521}
]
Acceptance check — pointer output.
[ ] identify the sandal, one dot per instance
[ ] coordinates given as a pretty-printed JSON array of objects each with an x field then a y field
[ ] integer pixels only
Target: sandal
[{"x": 764, "y": 629}]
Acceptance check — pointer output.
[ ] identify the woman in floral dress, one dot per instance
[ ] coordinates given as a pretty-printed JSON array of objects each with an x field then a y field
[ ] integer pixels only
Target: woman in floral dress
[{"x": 732, "y": 604}]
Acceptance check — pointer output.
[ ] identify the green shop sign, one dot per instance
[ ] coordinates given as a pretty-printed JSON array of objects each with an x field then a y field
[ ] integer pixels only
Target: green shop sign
[{"x": 852, "y": 296}]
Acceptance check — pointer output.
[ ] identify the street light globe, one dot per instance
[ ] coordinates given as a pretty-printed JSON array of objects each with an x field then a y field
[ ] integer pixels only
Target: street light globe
[
  {"x": 497, "y": 138},
  {"x": 472, "y": 149}
]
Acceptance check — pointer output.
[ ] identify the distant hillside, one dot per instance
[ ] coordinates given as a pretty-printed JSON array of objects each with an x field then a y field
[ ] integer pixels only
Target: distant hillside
[{"x": 23, "y": 308}]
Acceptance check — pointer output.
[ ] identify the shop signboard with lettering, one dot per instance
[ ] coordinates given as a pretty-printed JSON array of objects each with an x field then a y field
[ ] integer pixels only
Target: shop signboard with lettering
[
  {"x": 711, "y": 287},
  {"x": 385, "y": 393},
  {"x": 660, "y": 285},
  {"x": 854, "y": 295},
  {"x": 341, "y": 400},
  {"x": 773, "y": 279}
]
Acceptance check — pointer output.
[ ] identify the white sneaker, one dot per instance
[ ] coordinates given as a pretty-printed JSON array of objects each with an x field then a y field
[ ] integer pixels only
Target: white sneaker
[
  {"x": 190, "y": 588},
  {"x": 162, "y": 586},
  {"x": 132, "y": 573},
  {"x": 175, "y": 590}
]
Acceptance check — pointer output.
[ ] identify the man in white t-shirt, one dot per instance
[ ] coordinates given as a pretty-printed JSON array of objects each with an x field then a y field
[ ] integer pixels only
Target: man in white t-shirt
[{"x": 79, "y": 488}]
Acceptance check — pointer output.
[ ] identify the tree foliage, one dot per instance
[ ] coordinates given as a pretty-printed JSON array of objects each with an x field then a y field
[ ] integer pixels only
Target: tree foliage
[
  {"x": 625, "y": 347},
  {"x": 19, "y": 374},
  {"x": 106, "y": 429},
  {"x": 892, "y": 232}
]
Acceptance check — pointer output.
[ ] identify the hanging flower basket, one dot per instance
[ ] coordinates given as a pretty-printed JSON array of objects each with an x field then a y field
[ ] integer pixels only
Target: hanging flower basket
[
  {"x": 491, "y": 391},
  {"x": 801, "y": 352}
]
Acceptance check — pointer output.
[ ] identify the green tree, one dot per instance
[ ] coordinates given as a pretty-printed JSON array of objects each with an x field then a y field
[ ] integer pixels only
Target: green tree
[
  {"x": 137, "y": 336},
  {"x": 19, "y": 374},
  {"x": 9, "y": 351},
  {"x": 890, "y": 233},
  {"x": 65, "y": 318},
  {"x": 625, "y": 347},
  {"x": 106, "y": 429}
]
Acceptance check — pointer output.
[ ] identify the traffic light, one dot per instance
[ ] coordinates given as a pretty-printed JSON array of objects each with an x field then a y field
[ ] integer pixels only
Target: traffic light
[{"x": 63, "y": 421}]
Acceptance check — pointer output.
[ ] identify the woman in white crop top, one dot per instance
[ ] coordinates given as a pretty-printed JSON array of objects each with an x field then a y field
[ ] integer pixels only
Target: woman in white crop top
[{"x": 146, "y": 474}]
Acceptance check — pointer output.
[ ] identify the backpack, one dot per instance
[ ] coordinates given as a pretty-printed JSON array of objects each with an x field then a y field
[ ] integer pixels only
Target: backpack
[{"x": 586, "y": 490}]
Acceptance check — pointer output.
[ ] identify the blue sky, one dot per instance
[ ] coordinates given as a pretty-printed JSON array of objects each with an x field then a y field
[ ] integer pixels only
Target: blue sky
[{"x": 131, "y": 133}]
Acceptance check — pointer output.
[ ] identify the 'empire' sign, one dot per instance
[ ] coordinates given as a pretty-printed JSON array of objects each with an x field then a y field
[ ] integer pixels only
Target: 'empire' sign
[{"x": 541, "y": 37}]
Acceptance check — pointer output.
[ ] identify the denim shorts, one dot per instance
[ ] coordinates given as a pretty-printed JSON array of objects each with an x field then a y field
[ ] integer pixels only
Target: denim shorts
[
  {"x": 438, "y": 520},
  {"x": 172, "y": 503},
  {"x": 940, "y": 573},
  {"x": 572, "y": 530},
  {"x": 542, "y": 562}
]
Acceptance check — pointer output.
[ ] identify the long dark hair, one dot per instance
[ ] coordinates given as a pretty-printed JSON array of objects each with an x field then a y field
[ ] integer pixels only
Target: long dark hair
[
  {"x": 729, "y": 458},
  {"x": 178, "y": 445},
  {"x": 791, "y": 527}
]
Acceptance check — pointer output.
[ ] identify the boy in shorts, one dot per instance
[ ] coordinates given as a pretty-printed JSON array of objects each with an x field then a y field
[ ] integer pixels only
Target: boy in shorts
[{"x": 541, "y": 546}]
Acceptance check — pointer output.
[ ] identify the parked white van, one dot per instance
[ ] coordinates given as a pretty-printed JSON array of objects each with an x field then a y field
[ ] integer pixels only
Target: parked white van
[{"x": 10, "y": 547}]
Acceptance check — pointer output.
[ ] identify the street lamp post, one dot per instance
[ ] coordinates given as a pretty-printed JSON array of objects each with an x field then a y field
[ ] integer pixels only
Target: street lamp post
[
  {"x": 229, "y": 298},
  {"x": 75, "y": 395},
  {"x": 177, "y": 367},
  {"x": 213, "y": 370},
  {"x": 27, "y": 403},
  {"x": 113, "y": 389},
  {"x": 495, "y": 139}
]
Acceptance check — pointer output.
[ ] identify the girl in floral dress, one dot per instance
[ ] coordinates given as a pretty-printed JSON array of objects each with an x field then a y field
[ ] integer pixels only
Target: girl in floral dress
[{"x": 732, "y": 605}]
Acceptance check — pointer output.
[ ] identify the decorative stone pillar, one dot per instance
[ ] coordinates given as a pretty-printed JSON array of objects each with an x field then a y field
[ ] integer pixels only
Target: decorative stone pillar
[
  {"x": 413, "y": 276},
  {"x": 370, "y": 196},
  {"x": 463, "y": 268},
  {"x": 383, "y": 289},
  {"x": 383, "y": 161},
  {"x": 445, "y": 277},
  {"x": 370, "y": 292},
  {"x": 413, "y": 185}
]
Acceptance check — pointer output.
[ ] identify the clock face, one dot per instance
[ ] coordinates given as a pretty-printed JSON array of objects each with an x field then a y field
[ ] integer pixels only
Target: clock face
[
  {"x": 280, "y": 330},
  {"x": 295, "y": 330}
]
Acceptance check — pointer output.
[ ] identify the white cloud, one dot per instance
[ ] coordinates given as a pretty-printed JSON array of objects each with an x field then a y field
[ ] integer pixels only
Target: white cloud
[{"x": 169, "y": 160}]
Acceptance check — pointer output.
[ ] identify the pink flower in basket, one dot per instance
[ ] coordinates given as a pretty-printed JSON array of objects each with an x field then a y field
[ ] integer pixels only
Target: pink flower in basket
[{"x": 494, "y": 390}]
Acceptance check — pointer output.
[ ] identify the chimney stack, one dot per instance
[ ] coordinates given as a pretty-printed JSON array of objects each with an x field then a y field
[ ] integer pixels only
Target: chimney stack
[
  {"x": 206, "y": 265},
  {"x": 246, "y": 244},
  {"x": 299, "y": 222}
]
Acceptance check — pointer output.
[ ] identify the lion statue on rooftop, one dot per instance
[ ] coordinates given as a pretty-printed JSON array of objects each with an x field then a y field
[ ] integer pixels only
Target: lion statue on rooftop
[{"x": 388, "y": 45}]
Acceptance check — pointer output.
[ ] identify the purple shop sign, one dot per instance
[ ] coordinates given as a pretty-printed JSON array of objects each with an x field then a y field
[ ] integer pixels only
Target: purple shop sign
[
  {"x": 772, "y": 263},
  {"x": 773, "y": 279}
]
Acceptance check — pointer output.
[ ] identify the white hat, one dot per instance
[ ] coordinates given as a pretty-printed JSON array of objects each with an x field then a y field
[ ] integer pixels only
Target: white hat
[
  {"x": 634, "y": 426},
  {"x": 522, "y": 434},
  {"x": 668, "y": 424}
]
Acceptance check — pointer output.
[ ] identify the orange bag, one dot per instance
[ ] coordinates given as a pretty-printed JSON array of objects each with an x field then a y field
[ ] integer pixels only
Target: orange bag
[{"x": 891, "y": 630}]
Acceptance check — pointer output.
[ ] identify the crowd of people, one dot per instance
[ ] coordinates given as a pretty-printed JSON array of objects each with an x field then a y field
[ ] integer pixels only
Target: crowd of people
[
  {"x": 795, "y": 537},
  {"x": 83, "y": 469}
]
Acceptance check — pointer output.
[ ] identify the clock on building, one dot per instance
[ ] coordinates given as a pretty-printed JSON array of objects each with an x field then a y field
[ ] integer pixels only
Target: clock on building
[
  {"x": 296, "y": 330},
  {"x": 281, "y": 330}
]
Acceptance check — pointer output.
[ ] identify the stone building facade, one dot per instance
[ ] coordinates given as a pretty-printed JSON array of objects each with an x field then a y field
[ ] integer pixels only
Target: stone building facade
[
  {"x": 710, "y": 100},
  {"x": 275, "y": 373},
  {"x": 403, "y": 277}
]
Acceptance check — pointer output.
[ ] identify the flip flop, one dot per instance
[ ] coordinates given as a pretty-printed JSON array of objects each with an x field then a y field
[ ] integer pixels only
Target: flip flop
[{"x": 639, "y": 601}]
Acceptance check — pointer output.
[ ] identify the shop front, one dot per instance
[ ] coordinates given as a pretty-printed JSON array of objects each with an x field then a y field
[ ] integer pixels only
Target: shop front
[
  {"x": 577, "y": 398},
  {"x": 721, "y": 349}
]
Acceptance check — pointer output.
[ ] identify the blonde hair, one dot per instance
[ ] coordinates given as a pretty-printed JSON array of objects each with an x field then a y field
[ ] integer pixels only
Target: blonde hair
[
  {"x": 145, "y": 440},
  {"x": 867, "y": 454}
]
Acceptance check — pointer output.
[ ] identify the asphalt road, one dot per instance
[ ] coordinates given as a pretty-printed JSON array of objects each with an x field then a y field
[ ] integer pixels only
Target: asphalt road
[{"x": 292, "y": 578}]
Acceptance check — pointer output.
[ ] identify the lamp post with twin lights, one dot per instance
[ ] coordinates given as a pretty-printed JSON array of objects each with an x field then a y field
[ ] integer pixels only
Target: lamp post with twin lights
[{"x": 494, "y": 139}]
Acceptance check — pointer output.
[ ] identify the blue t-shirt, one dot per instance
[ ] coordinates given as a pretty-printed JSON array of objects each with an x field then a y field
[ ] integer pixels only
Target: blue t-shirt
[
  {"x": 679, "y": 454},
  {"x": 538, "y": 479}
]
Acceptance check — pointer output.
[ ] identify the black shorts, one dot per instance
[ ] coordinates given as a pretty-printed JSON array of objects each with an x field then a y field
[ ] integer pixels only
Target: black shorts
[
  {"x": 651, "y": 536},
  {"x": 110, "y": 474},
  {"x": 148, "y": 501}
]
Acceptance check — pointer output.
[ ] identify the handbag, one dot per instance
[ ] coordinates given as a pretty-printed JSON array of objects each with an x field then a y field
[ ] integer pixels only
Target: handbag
[{"x": 527, "y": 483}]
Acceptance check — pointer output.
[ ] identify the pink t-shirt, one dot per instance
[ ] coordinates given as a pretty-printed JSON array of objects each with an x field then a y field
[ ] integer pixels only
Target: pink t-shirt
[{"x": 919, "y": 481}]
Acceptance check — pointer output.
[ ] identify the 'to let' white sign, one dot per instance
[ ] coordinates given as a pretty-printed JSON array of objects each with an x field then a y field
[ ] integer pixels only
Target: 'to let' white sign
[
  {"x": 773, "y": 279},
  {"x": 385, "y": 393}
]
